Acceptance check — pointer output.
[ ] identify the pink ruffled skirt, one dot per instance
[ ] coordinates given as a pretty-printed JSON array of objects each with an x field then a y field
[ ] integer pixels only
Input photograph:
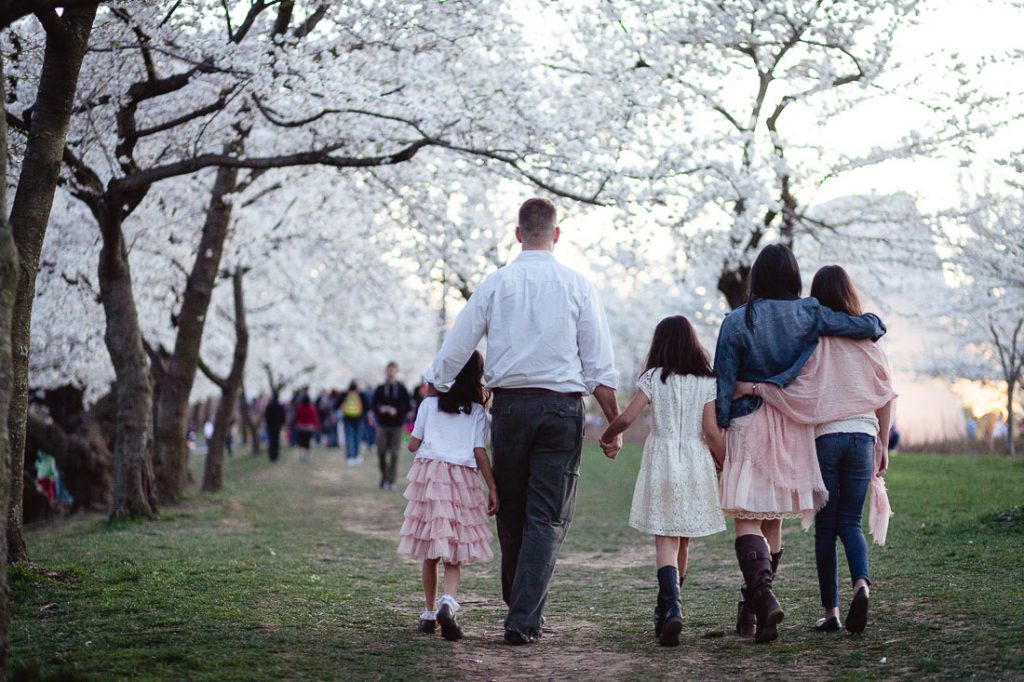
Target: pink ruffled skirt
[
  {"x": 746, "y": 490},
  {"x": 446, "y": 515}
]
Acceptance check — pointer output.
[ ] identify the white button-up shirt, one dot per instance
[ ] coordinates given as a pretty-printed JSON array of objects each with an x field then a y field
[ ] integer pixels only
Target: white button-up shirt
[{"x": 545, "y": 328}]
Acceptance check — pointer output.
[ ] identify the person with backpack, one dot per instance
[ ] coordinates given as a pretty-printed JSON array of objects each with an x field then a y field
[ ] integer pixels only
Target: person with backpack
[{"x": 353, "y": 407}]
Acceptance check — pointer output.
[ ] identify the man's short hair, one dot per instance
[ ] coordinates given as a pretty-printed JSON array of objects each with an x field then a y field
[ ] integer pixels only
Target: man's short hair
[
  {"x": 537, "y": 219},
  {"x": 391, "y": 364}
]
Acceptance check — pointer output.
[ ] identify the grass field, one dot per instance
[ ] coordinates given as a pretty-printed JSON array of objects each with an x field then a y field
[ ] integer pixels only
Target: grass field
[{"x": 291, "y": 572}]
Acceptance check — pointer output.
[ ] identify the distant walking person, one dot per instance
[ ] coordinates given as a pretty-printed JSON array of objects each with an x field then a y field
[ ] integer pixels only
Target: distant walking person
[
  {"x": 548, "y": 345},
  {"x": 391, "y": 405},
  {"x": 307, "y": 422},
  {"x": 275, "y": 417},
  {"x": 353, "y": 407}
]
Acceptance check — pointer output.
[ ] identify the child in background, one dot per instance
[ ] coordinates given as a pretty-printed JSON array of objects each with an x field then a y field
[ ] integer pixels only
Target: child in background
[
  {"x": 676, "y": 493},
  {"x": 446, "y": 518}
]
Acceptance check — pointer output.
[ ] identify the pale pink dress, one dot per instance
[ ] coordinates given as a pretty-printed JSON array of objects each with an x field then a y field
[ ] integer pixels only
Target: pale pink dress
[{"x": 771, "y": 468}]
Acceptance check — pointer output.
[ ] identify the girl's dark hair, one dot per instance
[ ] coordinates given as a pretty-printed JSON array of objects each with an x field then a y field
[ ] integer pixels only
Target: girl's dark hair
[
  {"x": 774, "y": 275},
  {"x": 676, "y": 349},
  {"x": 833, "y": 288},
  {"x": 467, "y": 389},
  {"x": 353, "y": 386}
]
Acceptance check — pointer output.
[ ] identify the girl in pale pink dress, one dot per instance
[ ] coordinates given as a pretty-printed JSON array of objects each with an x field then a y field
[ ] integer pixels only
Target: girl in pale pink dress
[{"x": 446, "y": 518}]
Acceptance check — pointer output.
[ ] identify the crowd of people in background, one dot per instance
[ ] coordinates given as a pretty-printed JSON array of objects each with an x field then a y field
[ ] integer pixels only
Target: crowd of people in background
[{"x": 360, "y": 419}]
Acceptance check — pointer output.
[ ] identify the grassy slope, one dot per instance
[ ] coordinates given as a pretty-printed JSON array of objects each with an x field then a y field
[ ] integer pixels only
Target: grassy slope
[{"x": 291, "y": 572}]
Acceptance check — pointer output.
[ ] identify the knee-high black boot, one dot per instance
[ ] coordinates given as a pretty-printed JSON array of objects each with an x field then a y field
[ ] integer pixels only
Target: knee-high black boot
[
  {"x": 755, "y": 561},
  {"x": 669, "y": 609}
]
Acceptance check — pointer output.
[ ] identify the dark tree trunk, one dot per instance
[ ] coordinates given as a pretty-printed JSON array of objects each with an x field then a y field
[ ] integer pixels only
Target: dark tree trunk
[
  {"x": 1010, "y": 418},
  {"x": 134, "y": 482},
  {"x": 230, "y": 386},
  {"x": 733, "y": 285},
  {"x": 8, "y": 283},
  {"x": 48, "y": 128},
  {"x": 176, "y": 384},
  {"x": 250, "y": 422}
]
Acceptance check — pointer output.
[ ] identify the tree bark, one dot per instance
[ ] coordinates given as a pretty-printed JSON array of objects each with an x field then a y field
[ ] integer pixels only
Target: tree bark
[
  {"x": 134, "y": 481},
  {"x": 230, "y": 386},
  {"x": 176, "y": 385},
  {"x": 1010, "y": 418},
  {"x": 250, "y": 421},
  {"x": 30, "y": 213},
  {"x": 8, "y": 280}
]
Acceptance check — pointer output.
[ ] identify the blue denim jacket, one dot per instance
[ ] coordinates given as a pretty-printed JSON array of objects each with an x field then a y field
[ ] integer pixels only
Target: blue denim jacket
[{"x": 785, "y": 334}]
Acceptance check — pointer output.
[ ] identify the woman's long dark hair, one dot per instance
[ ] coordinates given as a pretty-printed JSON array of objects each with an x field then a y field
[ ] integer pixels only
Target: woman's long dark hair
[
  {"x": 676, "y": 349},
  {"x": 467, "y": 389},
  {"x": 833, "y": 288},
  {"x": 774, "y": 275}
]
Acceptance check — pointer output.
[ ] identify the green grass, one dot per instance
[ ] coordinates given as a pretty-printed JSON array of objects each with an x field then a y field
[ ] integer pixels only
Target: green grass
[{"x": 291, "y": 572}]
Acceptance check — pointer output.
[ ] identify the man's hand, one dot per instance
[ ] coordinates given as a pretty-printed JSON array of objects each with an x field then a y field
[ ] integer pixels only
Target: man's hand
[{"x": 611, "y": 448}]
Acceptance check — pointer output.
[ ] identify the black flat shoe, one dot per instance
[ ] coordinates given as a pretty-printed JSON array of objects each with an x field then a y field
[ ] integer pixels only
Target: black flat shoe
[
  {"x": 828, "y": 625},
  {"x": 516, "y": 638},
  {"x": 857, "y": 618},
  {"x": 450, "y": 629},
  {"x": 427, "y": 627}
]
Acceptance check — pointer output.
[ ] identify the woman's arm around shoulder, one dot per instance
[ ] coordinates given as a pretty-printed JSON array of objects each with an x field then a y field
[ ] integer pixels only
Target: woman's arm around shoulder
[{"x": 833, "y": 323}]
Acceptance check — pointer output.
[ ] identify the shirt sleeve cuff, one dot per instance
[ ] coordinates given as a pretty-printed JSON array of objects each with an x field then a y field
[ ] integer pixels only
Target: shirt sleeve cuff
[{"x": 609, "y": 379}]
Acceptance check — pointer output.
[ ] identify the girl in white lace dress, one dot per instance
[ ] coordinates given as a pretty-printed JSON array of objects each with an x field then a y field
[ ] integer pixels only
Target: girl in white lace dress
[{"x": 676, "y": 494}]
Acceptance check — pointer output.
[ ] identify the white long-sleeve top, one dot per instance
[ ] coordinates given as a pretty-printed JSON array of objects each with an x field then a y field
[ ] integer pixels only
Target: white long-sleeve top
[{"x": 545, "y": 328}]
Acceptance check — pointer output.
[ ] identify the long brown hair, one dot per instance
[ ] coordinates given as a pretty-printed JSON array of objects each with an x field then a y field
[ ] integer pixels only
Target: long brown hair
[
  {"x": 676, "y": 349},
  {"x": 467, "y": 389},
  {"x": 834, "y": 289},
  {"x": 774, "y": 275}
]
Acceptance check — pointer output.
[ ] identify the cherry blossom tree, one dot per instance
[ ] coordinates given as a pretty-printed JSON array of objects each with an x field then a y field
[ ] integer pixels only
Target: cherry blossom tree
[
  {"x": 349, "y": 87},
  {"x": 986, "y": 312},
  {"x": 744, "y": 104}
]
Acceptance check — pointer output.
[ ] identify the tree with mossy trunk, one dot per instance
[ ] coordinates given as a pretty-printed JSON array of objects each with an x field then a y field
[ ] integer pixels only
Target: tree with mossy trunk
[{"x": 45, "y": 125}]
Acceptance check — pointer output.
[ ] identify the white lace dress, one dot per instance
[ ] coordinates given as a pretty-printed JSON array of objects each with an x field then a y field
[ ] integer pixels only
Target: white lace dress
[{"x": 676, "y": 490}]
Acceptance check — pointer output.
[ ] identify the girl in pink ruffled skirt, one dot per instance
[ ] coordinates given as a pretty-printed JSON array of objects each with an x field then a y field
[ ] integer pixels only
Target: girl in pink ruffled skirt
[{"x": 446, "y": 518}]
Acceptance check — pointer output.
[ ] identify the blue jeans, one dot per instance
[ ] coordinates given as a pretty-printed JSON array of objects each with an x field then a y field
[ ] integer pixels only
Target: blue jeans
[
  {"x": 351, "y": 437},
  {"x": 846, "y": 460}
]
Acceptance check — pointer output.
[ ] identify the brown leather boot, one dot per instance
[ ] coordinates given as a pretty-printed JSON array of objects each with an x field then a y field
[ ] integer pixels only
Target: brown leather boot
[
  {"x": 746, "y": 620},
  {"x": 754, "y": 558}
]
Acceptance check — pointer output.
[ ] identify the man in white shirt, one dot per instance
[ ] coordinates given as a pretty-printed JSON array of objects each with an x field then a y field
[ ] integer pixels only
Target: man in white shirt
[{"x": 548, "y": 345}]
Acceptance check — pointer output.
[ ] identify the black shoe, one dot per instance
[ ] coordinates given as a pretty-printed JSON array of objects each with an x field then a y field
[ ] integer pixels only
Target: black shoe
[
  {"x": 383, "y": 483},
  {"x": 427, "y": 627},
  {"x": 450, "y": 629},
  {"x": 857, "y": 618},
  {"x": 516, "y": 638},
  {"x": 828, "y": 625}
]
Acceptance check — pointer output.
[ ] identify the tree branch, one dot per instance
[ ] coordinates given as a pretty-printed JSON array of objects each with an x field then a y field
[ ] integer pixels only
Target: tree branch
[{"x": 220, "y": 381}]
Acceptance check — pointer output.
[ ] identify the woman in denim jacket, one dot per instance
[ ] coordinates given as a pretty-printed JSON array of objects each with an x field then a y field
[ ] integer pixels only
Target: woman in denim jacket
[{"x": 768, "y": 341}]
